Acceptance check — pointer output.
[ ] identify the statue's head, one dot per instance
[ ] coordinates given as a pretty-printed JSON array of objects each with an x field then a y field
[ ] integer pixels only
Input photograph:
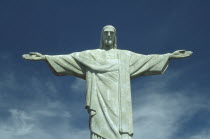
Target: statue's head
[{"x": 108, "y": 38}]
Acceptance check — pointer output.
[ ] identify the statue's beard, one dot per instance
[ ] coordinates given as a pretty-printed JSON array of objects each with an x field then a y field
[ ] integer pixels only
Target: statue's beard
[{"x": 108, "y": 43}]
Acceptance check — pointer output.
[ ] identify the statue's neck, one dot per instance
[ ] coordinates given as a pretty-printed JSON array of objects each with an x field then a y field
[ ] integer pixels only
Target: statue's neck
[{"x": 108, "y": 47}]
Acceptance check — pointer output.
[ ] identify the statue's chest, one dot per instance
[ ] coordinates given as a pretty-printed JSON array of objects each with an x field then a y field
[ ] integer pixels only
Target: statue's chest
[{"x": 109, "y": 57}]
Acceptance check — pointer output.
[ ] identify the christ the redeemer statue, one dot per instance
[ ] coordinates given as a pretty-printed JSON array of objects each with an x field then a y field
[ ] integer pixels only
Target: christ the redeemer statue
[{"x": 108, "y": 72}]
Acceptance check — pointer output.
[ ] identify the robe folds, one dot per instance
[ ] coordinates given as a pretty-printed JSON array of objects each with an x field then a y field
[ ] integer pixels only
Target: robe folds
[{"x": 108, "y": 75}]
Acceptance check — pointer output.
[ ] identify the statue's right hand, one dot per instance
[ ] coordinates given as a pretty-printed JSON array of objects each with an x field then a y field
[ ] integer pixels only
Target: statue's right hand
[{"x": 34, "y": 56}]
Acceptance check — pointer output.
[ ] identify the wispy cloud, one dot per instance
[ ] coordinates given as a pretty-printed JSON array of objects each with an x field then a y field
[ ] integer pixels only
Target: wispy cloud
[
  {"x": 205, "y": 134},
  {"x": 160, "y": 112},
  {"x": 50, "y": 122},
  {"x": 40, "y": 116},
  {"x": 160, "y": 115},
  {"x": 17, "y": 125},
  {"x": 78, "y": 85}
]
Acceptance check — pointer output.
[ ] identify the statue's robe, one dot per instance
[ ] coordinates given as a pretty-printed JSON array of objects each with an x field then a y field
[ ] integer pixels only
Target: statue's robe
[{"x": 108, "y": 74}]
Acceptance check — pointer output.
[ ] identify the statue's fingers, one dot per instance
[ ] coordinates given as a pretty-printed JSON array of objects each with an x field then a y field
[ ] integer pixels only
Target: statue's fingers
[
  {"x": 32, "y": 53},
  {"x": 24, "y": 56},
  {"x": 38, "y": 54},
  {"x": 189, "y": 53},
  {"x": 182, "y": 51},
  {"x": 27, "y": 57},
  {"x": 35, "y": 53},
  {"x": 178, "y": 52},
  {"x": 36, "y": 58}
]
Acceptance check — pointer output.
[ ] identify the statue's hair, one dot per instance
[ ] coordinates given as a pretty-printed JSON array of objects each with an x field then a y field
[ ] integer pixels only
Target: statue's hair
[{"x": 102, "y": 45}]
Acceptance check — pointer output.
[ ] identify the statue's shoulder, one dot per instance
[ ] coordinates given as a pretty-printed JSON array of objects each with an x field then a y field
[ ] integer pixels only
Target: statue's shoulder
[
  {"x": 89, "y": 51},
  {"x": 134, "y": 53},
  {"x": 125, "y": 52}
]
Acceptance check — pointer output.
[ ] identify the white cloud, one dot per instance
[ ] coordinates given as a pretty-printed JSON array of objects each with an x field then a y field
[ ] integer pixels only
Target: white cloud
[
  {"x": 24, "y": 125},
  {"x": 78, "y": 85},
  {"x": 205, "y": 134},
  {"x": 52, "y": 109},
  {"x": 159, "y": 114},
  {"x": 27, "y": 123},
  {"x": 8, "y": 80},
  {"x": 51, "y": 87},
  {"x": 19, "y": 124}
]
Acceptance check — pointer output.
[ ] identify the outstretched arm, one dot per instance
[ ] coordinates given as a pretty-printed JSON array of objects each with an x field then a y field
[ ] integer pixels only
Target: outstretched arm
[
  {"x": 141, "y": 65},
  {"x": 35, "y": 56},
  {"x": 153, "y": 64},
  {"x": 59, "y": 64},
  {"x": 180, "y": 54}
]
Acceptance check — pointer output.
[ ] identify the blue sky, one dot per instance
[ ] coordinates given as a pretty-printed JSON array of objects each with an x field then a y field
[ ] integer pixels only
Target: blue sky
[{"x": 36, "y": 104}]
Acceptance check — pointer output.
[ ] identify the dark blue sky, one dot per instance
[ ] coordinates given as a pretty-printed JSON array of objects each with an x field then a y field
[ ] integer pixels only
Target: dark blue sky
[{"x": 36, "y": 104}]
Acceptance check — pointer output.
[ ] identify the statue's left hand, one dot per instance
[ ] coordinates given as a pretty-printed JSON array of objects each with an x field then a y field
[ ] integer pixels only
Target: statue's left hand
[
  {"x": 35, "y": 56},
  {"x": 180, "y": 54}
]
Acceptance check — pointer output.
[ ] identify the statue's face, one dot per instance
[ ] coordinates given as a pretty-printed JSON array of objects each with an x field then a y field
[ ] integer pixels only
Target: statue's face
[{"x": 109, "y": 36}]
